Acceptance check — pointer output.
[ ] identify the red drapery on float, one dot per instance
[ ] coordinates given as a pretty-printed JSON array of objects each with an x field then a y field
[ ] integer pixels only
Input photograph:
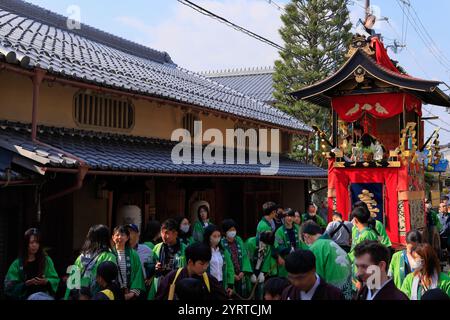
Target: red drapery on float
[
  {"x": 393, "y": 179},
  {"x": 381, "y": 105},
  {"x": 381, "y": 55}
]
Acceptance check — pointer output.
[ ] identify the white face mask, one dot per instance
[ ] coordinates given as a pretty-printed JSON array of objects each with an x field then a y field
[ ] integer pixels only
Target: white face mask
[
  {"x": 231, "y": 234},
  {"x": 417, "y": 264},
  {"x": 214, "y": 241},
  {"x": 185, "y": 228}
]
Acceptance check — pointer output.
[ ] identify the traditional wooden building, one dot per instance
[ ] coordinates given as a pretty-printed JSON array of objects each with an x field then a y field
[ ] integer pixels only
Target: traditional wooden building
[{"x": 86, "y": 120}]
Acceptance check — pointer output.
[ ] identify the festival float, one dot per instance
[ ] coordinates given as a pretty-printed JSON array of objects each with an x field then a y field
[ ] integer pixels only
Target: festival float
[{"x": 377, "y": 150}]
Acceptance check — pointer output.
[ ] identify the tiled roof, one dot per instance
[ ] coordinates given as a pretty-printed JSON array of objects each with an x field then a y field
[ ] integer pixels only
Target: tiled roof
[
  {"x": 92, "y": 56},
  {"x": 255, "y": 83},
  {"x": 115, "y": 152}
]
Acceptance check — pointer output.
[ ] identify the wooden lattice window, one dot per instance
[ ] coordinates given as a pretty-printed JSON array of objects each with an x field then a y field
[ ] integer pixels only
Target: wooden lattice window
[
  {"x": 101, "y": 111},
  {"x": 188, "y": 123}
]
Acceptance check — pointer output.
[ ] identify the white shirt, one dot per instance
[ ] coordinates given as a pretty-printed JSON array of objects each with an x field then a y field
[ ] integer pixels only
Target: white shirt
[
  {"x": 369, "y": 291},
  {"x": 122, "y": 263},
  {"x": 216, "y": 264},
  {"x": 308, "y": 295},
  {"x": 145, "y": 255}
]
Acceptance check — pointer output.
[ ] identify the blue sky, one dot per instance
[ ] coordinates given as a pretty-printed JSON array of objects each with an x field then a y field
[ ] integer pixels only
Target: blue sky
[{"x": 199, "y": 43}]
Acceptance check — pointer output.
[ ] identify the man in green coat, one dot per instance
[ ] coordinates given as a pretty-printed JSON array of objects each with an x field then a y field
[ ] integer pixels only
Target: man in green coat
[
  {"x": 267, "y": 222},
  {"x": 311, "y": 214},
  {"x": 287, "y": 239},
  {"x": 332, "y": 262},
  {"x": 168, "y": 255},
  {"x": 262, "y": 259},
  {"x": 239, "y": 256}
]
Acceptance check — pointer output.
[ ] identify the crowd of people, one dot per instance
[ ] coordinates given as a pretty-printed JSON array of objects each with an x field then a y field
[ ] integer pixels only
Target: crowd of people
[{"x": 292, "y": 256}]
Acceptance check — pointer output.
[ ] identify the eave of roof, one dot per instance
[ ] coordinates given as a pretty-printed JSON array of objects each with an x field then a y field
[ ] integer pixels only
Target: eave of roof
[
  {"x": 320, "y": 93},
  {"x": 115, "y": 154}
]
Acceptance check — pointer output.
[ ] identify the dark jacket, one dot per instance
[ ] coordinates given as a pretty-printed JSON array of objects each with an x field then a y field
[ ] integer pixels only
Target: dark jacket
[
  {"x": 324, "y": 291},
  {"x": 388, "y": 292},
  {"x": 217, "y": 290}
]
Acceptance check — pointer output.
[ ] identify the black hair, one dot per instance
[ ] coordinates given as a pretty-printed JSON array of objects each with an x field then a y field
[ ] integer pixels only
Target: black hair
[
  {"x": 123, "y": 229},
  {"x": 182, "y": 234},
  {"x": 40, "y": 254},
  {"x": 170, "y": 225},
  {"x": 198, "y": 252},
  {"x": 190, "y": 289},
  {"x": 364, "y": 217},
  {"x": 300, "y": 261},
  {"x": 337, "y": 214},
  {"x": 227, "y": 224},
  {"x": 289, "y": 212},
  {"x": 269, "y": 207},
  {"x": 98, "y": 239},
  {"x": 377, "y": 251},
  {"x": 310, "y": 227},
  {"x": 205, "y": 207},
  {"x": 275, "y": 286},
  {"x": 108, "y": 271},
  {"x": 267, "y": 237},
  {"x": 435, "y": 294},
  {"x": 152, "y": 229},
  {"x": 209, "y": 230},
  {"x": 358, "y": 126},
  {"x": 361, "y": 213},
  {"x": 413, "y": 236}
]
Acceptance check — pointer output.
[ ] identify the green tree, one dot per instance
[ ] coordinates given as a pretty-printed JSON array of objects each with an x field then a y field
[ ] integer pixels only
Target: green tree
[{"x": 316, "y": 35}]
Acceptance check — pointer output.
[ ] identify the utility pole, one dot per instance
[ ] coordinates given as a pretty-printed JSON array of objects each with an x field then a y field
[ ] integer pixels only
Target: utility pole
[{"x": 367, "y": 8}]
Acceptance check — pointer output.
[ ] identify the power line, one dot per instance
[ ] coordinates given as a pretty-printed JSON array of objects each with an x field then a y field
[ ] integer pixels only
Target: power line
[
  {"x": 229, "y": 23},
  {"x": 410, "y": 52},
  {"x": 428, "y": 34},
  {"x": 436, "y": 126},
  {"x": 424, "y": 39}
]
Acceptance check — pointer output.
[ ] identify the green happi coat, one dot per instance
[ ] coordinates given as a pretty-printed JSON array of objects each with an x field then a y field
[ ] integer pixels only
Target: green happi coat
[
  {"x": 88, "y": 276},
  {"x": 244, "y": 263},
  {"x": 14, "y": 285},
  {"x": 332, "y": 264},
  {"x": 283, "y": 246},
  {"x": 263, "y": 226},
  {"x": 383, "y": 234},
  {"x": 269, "y": 264},
  {"x": 197, "y": 231},
  {"x": 443, "y": 284},
  {"x": 227, "y": 269},
  {"x": 180, "y": 262},
  {"x": 358, "y": 237},
  {"x": 187, "y": 241},
  {"x": 135, "y": 276},
  {"x": 243, "y": 258},
  {"x": 150, "y": 244},
  {"x": 397, "y": 268},
  {"x": 320, "y": 221}
]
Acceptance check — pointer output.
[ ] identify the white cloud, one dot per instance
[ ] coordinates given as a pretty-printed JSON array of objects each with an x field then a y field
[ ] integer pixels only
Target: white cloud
[{"x": 197, "y": 42}]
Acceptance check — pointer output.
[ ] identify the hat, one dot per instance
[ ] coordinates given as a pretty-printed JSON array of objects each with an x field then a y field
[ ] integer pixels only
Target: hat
[{"x": 132, "y": 227}]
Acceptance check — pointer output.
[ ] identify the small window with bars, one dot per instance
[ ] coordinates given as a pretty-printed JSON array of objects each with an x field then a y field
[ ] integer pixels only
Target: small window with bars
[
  {"x": 99, "y": 111},
  {"x": 188, "y": 123}
]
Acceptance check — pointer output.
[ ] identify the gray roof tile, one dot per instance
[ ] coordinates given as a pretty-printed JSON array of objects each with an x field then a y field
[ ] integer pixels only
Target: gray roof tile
[
  {"x": 92, "y": 55},
  {"x": 103, "y": 151}
]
